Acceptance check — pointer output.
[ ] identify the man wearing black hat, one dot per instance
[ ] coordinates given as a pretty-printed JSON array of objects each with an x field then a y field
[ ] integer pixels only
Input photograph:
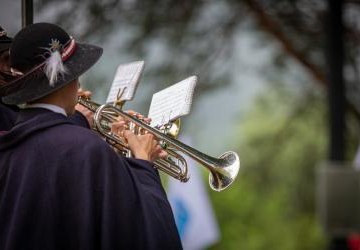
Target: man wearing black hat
[
  {"x": 61, "y": 185},
  {"x": 7, "y": 113}
]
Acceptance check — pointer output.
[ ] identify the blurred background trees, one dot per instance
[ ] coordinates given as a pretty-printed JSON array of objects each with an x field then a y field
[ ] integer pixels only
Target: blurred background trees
[
  {"x": 262, "y": 90},
  {"x": 281, "y": 135},
  {"x": 198, "y": 32},
  {"x": 274, "y": 202}
]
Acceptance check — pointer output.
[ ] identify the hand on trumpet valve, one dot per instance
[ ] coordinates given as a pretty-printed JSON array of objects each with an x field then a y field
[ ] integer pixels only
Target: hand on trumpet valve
[
  {"x": 145, "y": 146},
  {"x": 139, "y": 116},
  {"x": 138, "y": 130},
  {"x": 118, "y": 127}
]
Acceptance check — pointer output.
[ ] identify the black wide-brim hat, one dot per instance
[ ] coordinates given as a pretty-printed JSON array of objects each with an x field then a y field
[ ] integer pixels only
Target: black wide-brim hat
[
  {"x": 5, "y": 41},
  {"x": 28, "y": 53}
]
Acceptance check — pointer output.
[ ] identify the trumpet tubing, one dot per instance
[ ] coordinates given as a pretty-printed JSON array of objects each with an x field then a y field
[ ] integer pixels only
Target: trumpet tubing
[{"x": 223, "y": 170}]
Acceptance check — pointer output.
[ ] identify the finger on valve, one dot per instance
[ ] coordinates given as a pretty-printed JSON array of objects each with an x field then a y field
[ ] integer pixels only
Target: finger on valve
[
  {"x": 137, "y": 145},
  {"x": 159, "y": 152},
  {"x": 163, "y": 154},
  {"x": 123, "y": 120},
  {"x": 139, "y": 116},
  {"x": 118, "y": 128}
]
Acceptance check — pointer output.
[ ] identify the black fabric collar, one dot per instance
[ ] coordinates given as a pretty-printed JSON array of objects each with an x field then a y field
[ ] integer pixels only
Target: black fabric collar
[
  {"x": 29, "y": 113},
  {"x": 30, "y": 121}
]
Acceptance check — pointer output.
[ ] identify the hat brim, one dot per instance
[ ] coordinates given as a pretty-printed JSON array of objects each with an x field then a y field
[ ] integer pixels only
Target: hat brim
[{"x": 36, "y": 85}]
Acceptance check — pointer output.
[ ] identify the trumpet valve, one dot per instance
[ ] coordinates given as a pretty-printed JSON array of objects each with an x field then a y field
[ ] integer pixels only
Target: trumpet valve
[{"x": 172, "y": 128}]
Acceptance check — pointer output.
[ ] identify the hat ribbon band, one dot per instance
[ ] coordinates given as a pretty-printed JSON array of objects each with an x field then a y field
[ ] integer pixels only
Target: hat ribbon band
[
  {"x": 68, "y": 50},
  {"x": 66, "y": 53}
]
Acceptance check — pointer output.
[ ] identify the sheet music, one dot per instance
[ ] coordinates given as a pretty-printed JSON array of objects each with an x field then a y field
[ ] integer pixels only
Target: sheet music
[
  {"x": 126, "y": 78},
  {"x": 172, "y": 102}
]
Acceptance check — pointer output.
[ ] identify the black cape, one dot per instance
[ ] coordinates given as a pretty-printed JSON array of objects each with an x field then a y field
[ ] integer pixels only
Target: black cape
[
  {"x": 8, "y": 116},
  {"x": 63, "y": 187}
]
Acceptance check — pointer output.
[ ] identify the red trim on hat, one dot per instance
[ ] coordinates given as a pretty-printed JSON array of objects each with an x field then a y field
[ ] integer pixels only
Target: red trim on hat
[
  {"x": 66, "y": 53},
  {"x": 68, "y": 50}
]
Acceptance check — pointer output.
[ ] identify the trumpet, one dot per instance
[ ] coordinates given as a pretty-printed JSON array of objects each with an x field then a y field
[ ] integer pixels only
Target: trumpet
[{"x": 223, "y": 170}]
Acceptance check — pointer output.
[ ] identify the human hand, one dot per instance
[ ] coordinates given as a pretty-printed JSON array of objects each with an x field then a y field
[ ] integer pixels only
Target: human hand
[
  {"x": 139, "y": 116},
  {"x": 137, "y": 129},
  {"x": 118, "y": 127},
  {"x": 89, "y": 115},
  {"x": 145, "y": 146},
  {"x": 84, "y": 93}
]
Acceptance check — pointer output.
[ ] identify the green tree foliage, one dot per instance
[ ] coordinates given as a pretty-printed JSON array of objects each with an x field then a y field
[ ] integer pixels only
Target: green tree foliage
[
  {"x": 272, "y": 203},
  {"x": 201, "y": 35}
]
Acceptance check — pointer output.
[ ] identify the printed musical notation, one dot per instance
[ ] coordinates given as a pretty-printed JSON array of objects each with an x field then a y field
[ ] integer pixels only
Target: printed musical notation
[
  {"x": 172, "y": 102},
  {"x": 126, "y": 80}
]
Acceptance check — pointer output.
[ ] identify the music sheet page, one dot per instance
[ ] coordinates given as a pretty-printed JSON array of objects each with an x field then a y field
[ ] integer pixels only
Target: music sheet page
[
  {"x": 126, "y": 78},
  {"x": 172, "y": 102}
]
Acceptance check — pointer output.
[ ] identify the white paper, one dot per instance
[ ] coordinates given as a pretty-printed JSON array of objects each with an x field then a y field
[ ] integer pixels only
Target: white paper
[
  {"x": 172, "y": 102},
  {"x": 126, "y": 79}
]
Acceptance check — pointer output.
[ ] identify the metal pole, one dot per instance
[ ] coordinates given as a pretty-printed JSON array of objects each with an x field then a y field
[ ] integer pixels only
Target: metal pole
[
  {"x": 27, "y": 12},
  {"x": 336, "y": 94},
  {"x": 335, "y": 59}
]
